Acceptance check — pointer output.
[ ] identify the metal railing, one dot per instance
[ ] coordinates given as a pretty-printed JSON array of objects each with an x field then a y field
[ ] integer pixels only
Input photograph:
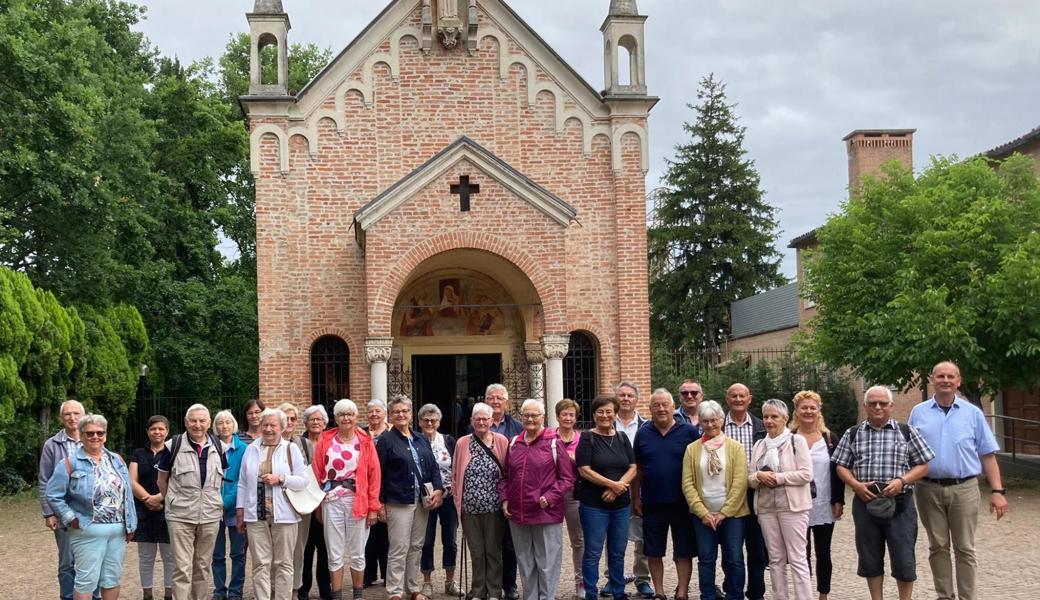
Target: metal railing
[{"x": 1019, "y": 439}]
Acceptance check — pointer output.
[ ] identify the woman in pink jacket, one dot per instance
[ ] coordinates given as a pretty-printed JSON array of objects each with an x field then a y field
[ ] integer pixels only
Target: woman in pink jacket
[
  {"x": 538, "y": 475},
  {"x": 781, "y": 472}
]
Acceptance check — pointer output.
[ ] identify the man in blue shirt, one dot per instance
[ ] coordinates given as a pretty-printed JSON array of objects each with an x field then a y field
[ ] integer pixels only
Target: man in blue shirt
[
  {"x": 948, "y": 498},
  {"x": 657, "y": 491},
  {"x": 690, "y": 396}
]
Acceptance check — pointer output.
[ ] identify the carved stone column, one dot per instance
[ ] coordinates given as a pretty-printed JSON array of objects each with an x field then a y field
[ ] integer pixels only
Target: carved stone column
[
  {"x": 377, "y": 353},
  {"x": 536, "y": 373},
  {"x": 555, "y": 348}
]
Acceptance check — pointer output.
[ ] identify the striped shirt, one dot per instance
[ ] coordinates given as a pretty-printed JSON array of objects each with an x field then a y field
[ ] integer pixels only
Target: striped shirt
[
  {"x": 745, "y": 434},
  {"x": 883, "y": 454}
]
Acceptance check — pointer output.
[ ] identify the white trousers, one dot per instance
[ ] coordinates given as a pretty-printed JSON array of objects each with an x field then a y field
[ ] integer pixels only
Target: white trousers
[{"x": 345, "y": 535}]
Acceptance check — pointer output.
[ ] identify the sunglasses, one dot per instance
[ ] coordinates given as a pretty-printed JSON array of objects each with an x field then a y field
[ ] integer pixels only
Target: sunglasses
[
  {"x": 91, "y": 434},
  {"x": 694, "y": 393}
]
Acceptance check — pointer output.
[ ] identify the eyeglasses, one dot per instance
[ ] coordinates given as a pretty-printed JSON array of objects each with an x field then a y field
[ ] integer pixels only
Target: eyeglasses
[
  {"x": 431, "y": 421},
  {"x": 532, "y": 416},
  {"x": 97, "y": 434},
  {"x": 403, "y": 411},
  {"x": 878, "y": 404},
  {"x": 690, "y": 393}
]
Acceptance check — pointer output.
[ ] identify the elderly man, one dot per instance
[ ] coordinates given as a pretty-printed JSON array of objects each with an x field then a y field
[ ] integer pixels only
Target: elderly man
[
  {"x": 190, "y": 480},
  {"x": 497, "y": 397},
  {"x": 55, "y": 449},
  {"x": 948, "y": 498},
  {"x": 690, "y": 396},
  {"x": 657, "y": 492},
  {"x": 747, "y": 429},
  {"x": 881, "y": 459},
  {"x": 629, "y": 421}
]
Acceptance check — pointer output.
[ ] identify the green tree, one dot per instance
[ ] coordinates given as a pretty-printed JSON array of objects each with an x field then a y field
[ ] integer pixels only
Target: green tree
[
  {"x": 712, "y": 235},
  {"x": 942, "y": 267},
  {"x": 108, "y": 381}
]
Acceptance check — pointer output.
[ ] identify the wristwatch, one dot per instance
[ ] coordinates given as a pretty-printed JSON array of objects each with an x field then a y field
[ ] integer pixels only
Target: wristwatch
[
  {"x": 904, "y": 482},
  {"x": 1001, "y": 491}
]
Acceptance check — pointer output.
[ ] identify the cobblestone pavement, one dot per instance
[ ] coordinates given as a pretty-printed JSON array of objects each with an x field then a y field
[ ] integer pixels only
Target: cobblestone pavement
[{"x": 1009, "y": 557}]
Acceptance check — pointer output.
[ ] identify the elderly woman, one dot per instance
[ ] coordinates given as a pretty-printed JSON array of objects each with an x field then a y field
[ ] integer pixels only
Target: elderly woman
[
  {"x": 292, "y": 414},
  {"x": 270, "y": 465},
  {"x": 411, "y": 488},
  {"x": 91, "y": 494},
  {"x": 715, "y": 485},
  {"x": 829, "y": 502},
  {"x": 567, "y": 438},
  {"x": 251, "y": 421},
  {"x": 347, "y": 467},
  {"x": 476, "y": 470},
  {"x": 607, "y": 466},
  {"x": 377, "y": 550},
  {"x": 316, "y": 421},
  {"x": 533, "y": 491},
  {"x": 224, "y": 427},
  {"x": 151, "y": 536},
  {"x": 780, "y": 471},
  {"x": 443, "y": 450}
]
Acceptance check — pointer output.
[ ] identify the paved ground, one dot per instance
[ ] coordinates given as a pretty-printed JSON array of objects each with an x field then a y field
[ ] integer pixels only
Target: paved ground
[{"x": 1009, "y": 553}]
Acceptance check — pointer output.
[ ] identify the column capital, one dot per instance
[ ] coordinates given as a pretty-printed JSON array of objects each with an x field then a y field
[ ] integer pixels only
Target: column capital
[
  {"x": 555, "y": 345},
  {"x": 534, "y": 353},
  {"x": 377, "y": 349}
]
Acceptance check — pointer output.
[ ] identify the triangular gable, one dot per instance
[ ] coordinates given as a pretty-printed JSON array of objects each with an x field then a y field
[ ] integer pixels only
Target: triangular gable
[
  {"x": 397, "y": 13},
  {"x": 494, "y": 167}
]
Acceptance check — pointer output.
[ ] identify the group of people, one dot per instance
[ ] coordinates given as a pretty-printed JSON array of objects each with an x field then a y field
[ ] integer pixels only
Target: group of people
[{"x": 720, "y": 482}]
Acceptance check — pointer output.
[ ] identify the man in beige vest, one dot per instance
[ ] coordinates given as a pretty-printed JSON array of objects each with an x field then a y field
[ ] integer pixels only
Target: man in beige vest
[{"x": 190, "y": 482}]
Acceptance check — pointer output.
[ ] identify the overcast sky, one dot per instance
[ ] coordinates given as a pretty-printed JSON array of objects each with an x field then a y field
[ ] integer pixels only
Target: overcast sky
[{"x": 964, "y": 73}]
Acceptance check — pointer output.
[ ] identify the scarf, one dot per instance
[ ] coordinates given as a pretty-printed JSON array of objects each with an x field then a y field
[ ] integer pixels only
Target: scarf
[
  {"x": 772, "y": 456},
  {"x": 713, "y": 445}
]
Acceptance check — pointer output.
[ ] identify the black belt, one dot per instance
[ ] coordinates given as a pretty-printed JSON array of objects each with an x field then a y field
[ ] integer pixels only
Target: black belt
[{"x": 948, "y": 481}]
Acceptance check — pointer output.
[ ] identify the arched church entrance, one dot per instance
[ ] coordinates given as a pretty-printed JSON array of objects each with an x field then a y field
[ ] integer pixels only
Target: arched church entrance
[{"x": 462, "y": 321}]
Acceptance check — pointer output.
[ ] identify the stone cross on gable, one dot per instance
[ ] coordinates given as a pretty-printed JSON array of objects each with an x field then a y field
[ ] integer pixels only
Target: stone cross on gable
[{"x": 464, "y": 188}]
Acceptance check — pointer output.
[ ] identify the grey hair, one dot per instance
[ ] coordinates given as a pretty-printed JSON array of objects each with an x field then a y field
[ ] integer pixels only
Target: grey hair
[
  {"x": 275, "y": 412},
  {"x": 399, "y": 399},
  {"x": 376, "y": 403},
  {"x": 316, "y": 409},
  {"x": 663, "y": 392},
  {"x": 61, "y": 408},
  {"x": 628, "y": 384},
  {"x": 710, "y": 409},
  {"x": 483, "y": 409},
  {"x": 195, "y": 408},
  {"x": 92, "y": 419},
  {"x": 496, "y": 386},
  {"x": 778, "y": 405},
  {"x": 346, "y": 406},
  {"x": 228, "y": 415},
  {"x": 535, "y": 403},
  {"x": 884, "y": 388},
  {"x": 430, "y": 409}
]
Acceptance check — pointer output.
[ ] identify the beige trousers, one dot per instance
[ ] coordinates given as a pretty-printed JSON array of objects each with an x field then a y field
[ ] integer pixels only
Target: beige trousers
[
  {"x": 271, "y": 548},
  {"x": 192, "y": 548},
  {"x": 303, "y": 528},
  {"x": 406, "y": 524},
  {"x": 950, "y": 515}
]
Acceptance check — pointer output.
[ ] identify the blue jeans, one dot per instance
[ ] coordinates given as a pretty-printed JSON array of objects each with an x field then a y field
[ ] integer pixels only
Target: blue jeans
[
  {"x": 449, "y": 524},
  {"x": 221, "y": 586},
  {"x": 599, "y": 525},
  {"x": 730, "y": 535},
  {"x": 67, "y": 565}
]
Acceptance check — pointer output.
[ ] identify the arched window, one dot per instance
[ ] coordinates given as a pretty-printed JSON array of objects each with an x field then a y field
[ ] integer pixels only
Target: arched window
[
  {"x": 267, "y": 47},
  {"x": 330, "y": 371},
  {"x": 580, "y": 380}
]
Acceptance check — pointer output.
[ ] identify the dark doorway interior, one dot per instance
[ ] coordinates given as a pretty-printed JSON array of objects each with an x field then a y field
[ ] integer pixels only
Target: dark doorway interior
[{"x": 450, "y": 381}]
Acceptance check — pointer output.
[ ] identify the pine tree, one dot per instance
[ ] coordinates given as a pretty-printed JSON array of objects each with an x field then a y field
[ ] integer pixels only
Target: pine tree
[{"x": 711, "y": 239}]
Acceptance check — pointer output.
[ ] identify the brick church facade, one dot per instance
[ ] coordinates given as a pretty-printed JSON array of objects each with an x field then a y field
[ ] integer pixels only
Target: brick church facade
[{"x": 449, "y": 204}]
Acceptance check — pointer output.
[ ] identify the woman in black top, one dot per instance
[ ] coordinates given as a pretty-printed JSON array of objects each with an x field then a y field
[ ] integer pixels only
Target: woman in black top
[
  {"x": 152, "y": 534},
  {"x": 606, "y": 466}
]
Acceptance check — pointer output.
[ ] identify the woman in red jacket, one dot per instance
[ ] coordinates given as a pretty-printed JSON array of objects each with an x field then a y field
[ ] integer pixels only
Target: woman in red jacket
[{"x": 347, "y": 467}]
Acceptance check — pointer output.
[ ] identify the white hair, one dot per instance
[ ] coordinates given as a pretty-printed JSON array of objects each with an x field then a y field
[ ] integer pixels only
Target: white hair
[
  {"x": 662, "y": 392},
  {"x": 316, "y": 409},
  {"x": 496, "y": 387},
  {"x": 195, "y": 408},
  {"x": 225, "y": 415},
  {"x": 626, "y": 383},
  {"x": 98, "y": 420},
  {"x": 61, "y": 408},
  {"x": 275, "y": 412},
  {"x": 883, "y": 388},
  {"x": 710, "y": 409},
  {"x": 778, "y": 405},
  {"x": 346, "y": 406},
  {"x": 376, "y": 403},
  {"x": 430, "y": 409},
  {"x": 532, "y": 402},
  {"x": 400, "y": 399},
  {"x": 481, "y": 408}
]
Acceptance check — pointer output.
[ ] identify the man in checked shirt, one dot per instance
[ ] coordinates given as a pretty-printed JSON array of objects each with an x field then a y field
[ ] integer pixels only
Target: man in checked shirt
[{"x": 883, "y": 457}]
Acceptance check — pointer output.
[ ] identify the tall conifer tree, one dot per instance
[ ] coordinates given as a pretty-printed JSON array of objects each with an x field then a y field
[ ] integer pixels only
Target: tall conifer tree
[{"x": 712, "y": 233}]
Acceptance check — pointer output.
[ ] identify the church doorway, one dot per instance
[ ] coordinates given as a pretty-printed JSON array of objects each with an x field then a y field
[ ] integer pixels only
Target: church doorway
[{"x": 453, "y": 382}]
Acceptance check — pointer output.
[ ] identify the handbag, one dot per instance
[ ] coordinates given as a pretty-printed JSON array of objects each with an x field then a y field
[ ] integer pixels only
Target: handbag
[
  {"x": 882, "y": 507},
  {"x": 305, "y": 501}
]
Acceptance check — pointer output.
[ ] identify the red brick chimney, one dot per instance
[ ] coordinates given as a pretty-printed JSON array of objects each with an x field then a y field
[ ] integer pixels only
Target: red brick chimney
[{"x": 869, "y": 148}]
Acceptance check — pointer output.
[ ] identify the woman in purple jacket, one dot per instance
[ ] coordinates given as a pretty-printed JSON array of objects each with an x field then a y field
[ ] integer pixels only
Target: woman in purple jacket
[{"x": 533, "y": 489}]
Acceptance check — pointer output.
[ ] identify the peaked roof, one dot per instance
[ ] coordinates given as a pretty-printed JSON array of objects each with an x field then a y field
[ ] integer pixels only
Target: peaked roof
[
  {"x": 1015, "y": 144},
  {"x": 358, "y": 48},
  {"x": 464, "y": 148}
]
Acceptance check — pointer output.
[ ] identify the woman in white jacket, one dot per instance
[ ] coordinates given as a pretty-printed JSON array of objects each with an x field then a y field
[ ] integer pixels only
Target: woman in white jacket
[{"x": 270, "y": 465}]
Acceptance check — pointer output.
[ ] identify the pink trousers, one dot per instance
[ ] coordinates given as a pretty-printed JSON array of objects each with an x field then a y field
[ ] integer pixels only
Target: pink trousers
[{"x": 784, "y": 533}]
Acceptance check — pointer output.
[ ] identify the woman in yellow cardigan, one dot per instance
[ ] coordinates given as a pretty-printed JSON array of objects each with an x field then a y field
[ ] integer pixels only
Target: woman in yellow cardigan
[{"x": 715, "y": 485}]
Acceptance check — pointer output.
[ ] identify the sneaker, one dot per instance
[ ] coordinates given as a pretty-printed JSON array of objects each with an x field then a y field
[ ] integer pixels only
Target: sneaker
[
  {"x": 605, "y": 594},
  {"x": 644, "y": 589},
  {"x": 217, "y": 596},
  {"x": 629, "y": 578},
  {"x": 426, "y": 589},
  {"x": 511, "y": 595},
  {"x": 451, "y": 588}
]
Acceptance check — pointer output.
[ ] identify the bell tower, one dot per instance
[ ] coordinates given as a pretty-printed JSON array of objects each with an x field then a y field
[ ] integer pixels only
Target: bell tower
[
  {"x": 623, "y": 50},
  {"x": 268, "y": 32}
]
